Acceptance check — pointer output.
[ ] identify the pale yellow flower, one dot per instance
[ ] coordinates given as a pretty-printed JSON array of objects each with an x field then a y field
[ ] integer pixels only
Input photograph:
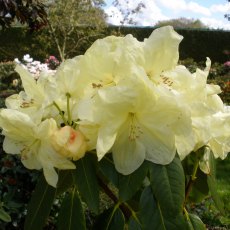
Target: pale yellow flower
[
  {"x": 68, "y": 78},
  {"x": 219, "y": 142},
  {"x": 160, "y": 51},
  {"x": 32, "y": 142},
  {"x": 107, "y": 61},
  {"x": 198, "y": 98},
  {"x": 37, "y": 96},
  {"x": 136, "y": 121}
]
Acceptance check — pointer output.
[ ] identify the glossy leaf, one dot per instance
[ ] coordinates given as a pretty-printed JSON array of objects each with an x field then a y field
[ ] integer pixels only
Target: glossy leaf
[
  {"x": 128, "y": 185},
  {"x": 149, "y": 215},
  {"x": 168, "y": 185},
  {"x": 111, "y": 219},
  {"x": 4, "y": 216},
  {"x": 40, "y": 205},
  {"x": 200, "y": 189},
  {"x": 134, "y": 225},
  {"x": 107, "y": 167},
  {"x": 71, "y": 214},
  {"x": 153, "y": 217},
  {"x": 195, "y": 223},
  {"x": 65, "y": 181},
  {"x": 86, "y": 181}
]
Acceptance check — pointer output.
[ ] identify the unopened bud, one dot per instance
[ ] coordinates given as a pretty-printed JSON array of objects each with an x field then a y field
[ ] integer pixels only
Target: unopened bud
[{"x": 69, "y": 142}]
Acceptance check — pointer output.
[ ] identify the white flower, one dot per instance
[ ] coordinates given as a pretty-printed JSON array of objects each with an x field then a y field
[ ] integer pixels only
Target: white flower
[
  {"x": 27, "y": 58},
  {"x": 16, "y": 60}
]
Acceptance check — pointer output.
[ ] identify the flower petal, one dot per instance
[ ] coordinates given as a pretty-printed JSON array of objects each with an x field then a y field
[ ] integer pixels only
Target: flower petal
[
  {"x": 159, "y": 144},
  {"x": 161, "y": 50},
  {"x": 51, "y": 175},
  {"x": 128, "y": 155}
]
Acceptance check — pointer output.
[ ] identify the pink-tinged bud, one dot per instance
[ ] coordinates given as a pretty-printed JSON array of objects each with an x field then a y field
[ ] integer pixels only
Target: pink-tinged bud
[{"x": 69, "y": 142}]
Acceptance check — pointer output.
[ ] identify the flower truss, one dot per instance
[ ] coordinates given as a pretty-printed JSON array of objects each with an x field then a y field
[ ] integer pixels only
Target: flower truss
[{"x": 123, "y": 96}]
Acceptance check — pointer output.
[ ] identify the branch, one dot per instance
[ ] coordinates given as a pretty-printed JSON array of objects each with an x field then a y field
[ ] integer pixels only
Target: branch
[
  {"x": 124, "y": 208},
  {"x": 52, "y": 32}
]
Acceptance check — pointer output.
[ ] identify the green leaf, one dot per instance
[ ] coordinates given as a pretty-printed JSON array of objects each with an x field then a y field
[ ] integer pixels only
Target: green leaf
[
  {"x": 134, "y": 225},
  {"x": 152, "y": 216},
  {"x": 200, "y": 189},
  {"x": 4, "y": 215},
  {"x": 65, "y": 181},
  {"x": 86, "y": 181},
  {"x": 71, "y": 215},
  {"x": 106, "y": 165},
  {"x": 168, "y": 185},
  {"x": 149, "y": 214},
  {"x": 212, "y": 184},
  {"x": 40, "y": 205},
  {"x": 195, "y": 223},
  {"x": 111, "y": 219},
  {"x": 128, "y": 185}
]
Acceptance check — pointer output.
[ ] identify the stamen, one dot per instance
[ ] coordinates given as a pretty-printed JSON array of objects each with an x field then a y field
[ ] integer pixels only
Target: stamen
[{"x": 134, "y": 130}]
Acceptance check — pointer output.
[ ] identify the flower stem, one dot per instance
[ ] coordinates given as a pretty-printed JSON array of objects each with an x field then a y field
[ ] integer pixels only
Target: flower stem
[
  {"x": 60, "y": 112},
  {"x": 191, "y": 180},
  {"x": 68, "y": 109}
]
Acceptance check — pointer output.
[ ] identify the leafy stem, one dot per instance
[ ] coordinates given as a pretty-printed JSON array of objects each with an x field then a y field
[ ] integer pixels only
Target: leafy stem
[
  {"x": 60, "y": 112},
  {"x": 68, "y": 109},
  {"x": 191, "y": 179}
]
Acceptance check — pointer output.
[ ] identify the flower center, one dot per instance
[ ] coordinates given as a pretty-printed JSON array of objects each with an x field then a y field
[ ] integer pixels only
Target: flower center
[
  {"x": 26, "y": 104},
  {"x": 167, "y": 81},
  {"x": 29, "y": 149},
  {"x": 108, "y": 81},
  {"x": 134, "y": 129}
]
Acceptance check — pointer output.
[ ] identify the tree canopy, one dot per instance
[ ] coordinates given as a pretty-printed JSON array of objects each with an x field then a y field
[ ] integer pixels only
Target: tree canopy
[
  {"x": 227, "y": 15},
  {"x": 30, "y": 12},
  {"x": 183, "y": 23},
  {"x": 74, "y": 22}
]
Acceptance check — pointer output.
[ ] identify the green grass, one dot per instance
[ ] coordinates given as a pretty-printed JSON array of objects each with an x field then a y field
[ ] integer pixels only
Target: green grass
[
  {"x": 207, "y": 209},
  {"x": 223, "y": 185}
]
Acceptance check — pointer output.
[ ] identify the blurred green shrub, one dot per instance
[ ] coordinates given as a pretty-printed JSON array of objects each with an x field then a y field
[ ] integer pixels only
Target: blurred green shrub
[{"x": 197, "y": 44}]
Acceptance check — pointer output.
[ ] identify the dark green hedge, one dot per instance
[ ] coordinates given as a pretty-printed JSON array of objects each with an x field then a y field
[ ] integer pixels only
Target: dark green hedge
[
  {"x": 16, "y": 42},
  {"x": 197, "y": 44}
]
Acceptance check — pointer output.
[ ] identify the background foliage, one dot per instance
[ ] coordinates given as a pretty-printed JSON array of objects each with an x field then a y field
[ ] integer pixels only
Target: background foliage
[{"x": 197, "y": 44}]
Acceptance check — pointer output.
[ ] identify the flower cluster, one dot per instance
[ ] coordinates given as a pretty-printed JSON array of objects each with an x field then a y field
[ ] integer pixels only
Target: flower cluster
[
  {"x": 227, "y": 64},
  {"x": 52, "y": 62},
  {"x": 33, "y": 66},
  {"x": 123, "y": 96}
]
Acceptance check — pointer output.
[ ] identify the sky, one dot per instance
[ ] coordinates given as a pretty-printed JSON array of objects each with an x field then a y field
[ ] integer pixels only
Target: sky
[{"x": 210, "y": 12}]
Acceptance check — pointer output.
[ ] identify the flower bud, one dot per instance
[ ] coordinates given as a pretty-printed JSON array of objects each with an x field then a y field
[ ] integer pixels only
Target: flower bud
[
  {"x": 15, "y": 82},
  {"x": 69, "y": 143}
]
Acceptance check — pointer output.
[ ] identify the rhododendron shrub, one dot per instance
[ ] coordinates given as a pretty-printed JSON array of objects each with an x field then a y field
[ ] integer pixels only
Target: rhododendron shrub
[{"x": 124, "y": 113}]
